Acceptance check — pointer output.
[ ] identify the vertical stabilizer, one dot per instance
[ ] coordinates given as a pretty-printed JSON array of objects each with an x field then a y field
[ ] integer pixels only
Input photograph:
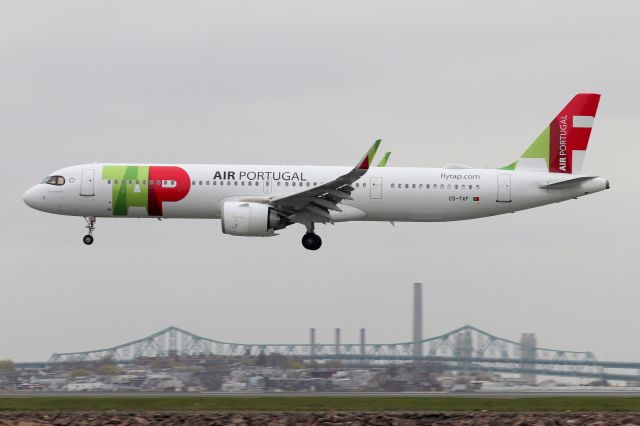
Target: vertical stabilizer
[{"x": 561, "y": 147}]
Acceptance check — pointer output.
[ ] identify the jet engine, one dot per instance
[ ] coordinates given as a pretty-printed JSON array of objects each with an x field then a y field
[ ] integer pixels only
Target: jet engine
[{"x": 250, "y": 219}]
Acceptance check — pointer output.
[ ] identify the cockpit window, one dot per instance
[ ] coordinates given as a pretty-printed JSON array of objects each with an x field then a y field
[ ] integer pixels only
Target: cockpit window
[{"x": 54, "y": 180}]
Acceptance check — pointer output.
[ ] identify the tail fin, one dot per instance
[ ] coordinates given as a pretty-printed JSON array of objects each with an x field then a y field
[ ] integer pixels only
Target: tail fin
[{"x": 562, "y": 146}]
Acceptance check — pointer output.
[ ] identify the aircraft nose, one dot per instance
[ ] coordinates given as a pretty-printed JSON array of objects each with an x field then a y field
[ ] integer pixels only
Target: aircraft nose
[{"x": 30, "y": 197}]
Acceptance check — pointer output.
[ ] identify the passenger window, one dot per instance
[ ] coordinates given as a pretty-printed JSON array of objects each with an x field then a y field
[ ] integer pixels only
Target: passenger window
[
  {"x": 286, "y": 184},
  {"x": 200, "y": 183},
  {"x": 449, "y": 186},
  {"x": 364, "y": 185},
  {"x": 241, "y": 183},
  {"x": 456, "y": 186},
  {"x": 228, "y": 183},
  {"x": 413, "y": 186},
  {"x": 221, "y": 183},
  {"x": 357, "y": 185},
  {"x": 207, "y": 183},
  {"x": 420, "y": 186},
  {"x": 109, "y": 182},
  {"x": 278, "y": 183},
  {"x": 392, "y": 185},
  {"x": 477, "y": 186},
  {"x": 427, "y": 186},
  {"x": 158, "y": 182},
  {"x": 462, "y": 187},
  {"x": 441, "y": 186},
  {"x": 406, "y": 185},
  {"x": 215, "y": 182},
  {"x": 235, "y": 183},
  {"x": 308, "y": 183}
]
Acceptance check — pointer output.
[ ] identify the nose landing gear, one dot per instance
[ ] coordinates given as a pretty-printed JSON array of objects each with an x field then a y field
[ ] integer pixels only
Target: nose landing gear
[{"x": 91, "y": 226}]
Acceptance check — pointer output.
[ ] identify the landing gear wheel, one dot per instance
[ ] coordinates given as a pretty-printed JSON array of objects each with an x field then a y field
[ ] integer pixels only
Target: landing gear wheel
[
  {"x": 311, "y": 241},
  {"x": 91, "y": 226}
]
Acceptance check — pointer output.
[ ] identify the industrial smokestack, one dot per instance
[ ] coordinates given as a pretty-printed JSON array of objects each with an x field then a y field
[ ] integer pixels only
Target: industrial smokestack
[
  {"x": 312, "y": 340},
  {"x": 337, "y": 341},
  {"x": 363, "y": 341},
  {"x": 417, "y": 319}
]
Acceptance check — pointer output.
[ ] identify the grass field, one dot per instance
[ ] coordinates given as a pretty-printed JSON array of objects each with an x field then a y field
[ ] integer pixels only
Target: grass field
[{"x": 319, "y": 404}]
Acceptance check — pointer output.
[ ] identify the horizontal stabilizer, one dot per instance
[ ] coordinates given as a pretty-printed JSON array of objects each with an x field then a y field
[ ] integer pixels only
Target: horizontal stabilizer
[{"x": 567, "y": 183}]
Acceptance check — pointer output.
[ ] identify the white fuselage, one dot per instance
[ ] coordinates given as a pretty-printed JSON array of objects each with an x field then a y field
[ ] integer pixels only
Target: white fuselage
[{"x": 382, "y": 194}]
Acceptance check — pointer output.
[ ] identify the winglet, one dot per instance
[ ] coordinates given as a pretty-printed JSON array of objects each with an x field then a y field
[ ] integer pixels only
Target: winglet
[
  {"x": 383, "y": 161},
  {"x": 368, "y": 158}
]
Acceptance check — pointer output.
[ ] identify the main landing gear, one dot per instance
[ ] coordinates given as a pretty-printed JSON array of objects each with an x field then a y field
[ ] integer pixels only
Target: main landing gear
[
  {"x": 310, "y": 240},
  {"x": 91, "y": 226}
]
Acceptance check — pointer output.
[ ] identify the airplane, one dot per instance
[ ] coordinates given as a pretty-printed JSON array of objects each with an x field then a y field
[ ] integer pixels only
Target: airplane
[{"x": 258, "y": 200}]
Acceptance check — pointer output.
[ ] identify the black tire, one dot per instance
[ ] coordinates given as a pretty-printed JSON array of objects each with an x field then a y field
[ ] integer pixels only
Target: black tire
[
  {"x": 311, "y": 241},
  {"x": 87, "y": 239}
]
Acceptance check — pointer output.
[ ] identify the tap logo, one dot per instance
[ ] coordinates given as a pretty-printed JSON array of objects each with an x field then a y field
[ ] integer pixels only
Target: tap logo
[{"x": 145, "y": 186}]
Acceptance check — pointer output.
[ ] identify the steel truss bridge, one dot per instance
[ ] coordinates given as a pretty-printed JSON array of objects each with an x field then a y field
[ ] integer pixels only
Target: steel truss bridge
[{"x": 465, "y": 348}]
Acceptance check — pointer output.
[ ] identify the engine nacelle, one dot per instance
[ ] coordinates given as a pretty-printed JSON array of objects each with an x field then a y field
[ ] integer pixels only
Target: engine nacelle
[{"x": 250, "y": 219}]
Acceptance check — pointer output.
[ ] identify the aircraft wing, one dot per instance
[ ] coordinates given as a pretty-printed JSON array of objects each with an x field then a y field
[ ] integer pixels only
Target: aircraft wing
[{"x": 314, "y": 204}]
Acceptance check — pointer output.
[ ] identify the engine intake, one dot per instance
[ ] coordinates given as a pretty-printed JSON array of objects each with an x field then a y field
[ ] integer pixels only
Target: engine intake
[{"x": 250, "y": 219}]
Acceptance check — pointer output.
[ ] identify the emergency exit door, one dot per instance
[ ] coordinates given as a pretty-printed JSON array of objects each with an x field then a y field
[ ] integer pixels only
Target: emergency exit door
[
  {"x": 266, "y": 186},
  {"x": 376, "y": 187},
  {"x": 504, "y": 189},
  {"x": 87, "y": 182}
]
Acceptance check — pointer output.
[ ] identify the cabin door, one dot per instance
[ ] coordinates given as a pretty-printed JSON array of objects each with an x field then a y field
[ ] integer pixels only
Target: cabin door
[
  {"x": 376, "y": 187},
  {"x": 504, "y": 189},
  {"x": 87, "y": 182}
]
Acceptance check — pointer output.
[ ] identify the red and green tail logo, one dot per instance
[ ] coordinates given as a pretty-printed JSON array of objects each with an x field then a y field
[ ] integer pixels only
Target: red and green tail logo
[{"x": 562, "y": 146}]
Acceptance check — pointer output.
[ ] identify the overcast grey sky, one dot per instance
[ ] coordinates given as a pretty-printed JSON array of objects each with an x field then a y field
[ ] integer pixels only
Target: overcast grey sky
[{"x": 299, "y": 82}]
